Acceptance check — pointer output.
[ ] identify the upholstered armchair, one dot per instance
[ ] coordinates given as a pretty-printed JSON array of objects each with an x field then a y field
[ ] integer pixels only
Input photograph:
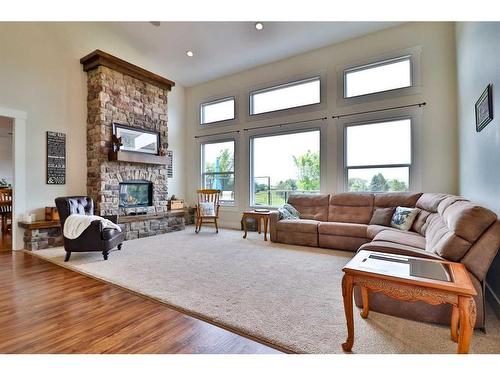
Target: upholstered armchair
[{"x": 95, "y": 237}]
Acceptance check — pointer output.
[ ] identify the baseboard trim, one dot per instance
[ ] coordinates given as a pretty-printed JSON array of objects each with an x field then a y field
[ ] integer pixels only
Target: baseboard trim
[{"x": 493, "y": 300}]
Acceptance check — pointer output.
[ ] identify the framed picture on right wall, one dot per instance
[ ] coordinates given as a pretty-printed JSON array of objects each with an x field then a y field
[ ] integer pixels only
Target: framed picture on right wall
[{"x": 484, "y": 108}]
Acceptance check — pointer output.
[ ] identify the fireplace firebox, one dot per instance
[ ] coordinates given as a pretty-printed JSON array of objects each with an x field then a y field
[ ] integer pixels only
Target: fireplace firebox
[{"x": 136, "y": 193}]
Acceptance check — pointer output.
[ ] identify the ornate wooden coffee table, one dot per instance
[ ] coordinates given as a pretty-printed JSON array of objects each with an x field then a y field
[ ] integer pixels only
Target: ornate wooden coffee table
[
  {"x": 260, "y": 216},
  {"x": 411, "y": 279}
]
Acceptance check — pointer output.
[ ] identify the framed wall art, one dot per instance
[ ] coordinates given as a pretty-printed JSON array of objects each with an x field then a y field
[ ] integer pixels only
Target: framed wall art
[
  {"x": 56, "y": 158},
  {"x": 484, "y": 108}
]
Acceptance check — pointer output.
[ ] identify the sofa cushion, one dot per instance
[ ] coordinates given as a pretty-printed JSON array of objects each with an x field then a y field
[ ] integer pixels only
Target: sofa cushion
[
  {"x": 468, "y": 220},
  {"x": 300, "y": 225},
  {"x": 448, "y": 201},
  {"x": 351, "y": 208},
  {"x": 396, "y": 199},
  {"x": 430, "y": 201},
  {"x": 382, "y": 216},
  {"x": 420, "y": 221},
  {"x": 286, "y": 215},
  {"x": 458, "y": 224},
  {"x": 444, "y": 242},
  {"x": 311, "y": 206},
  {"x": 297, "y": 238},
  {"x": 373, "y": 230},
  {"x": 481, "y": 254},
  {"x": 401, "y": 237},
  {"x": 404, "y": 217},
  {"x": 341, "y": 242},
  {"x": 395, "y": 248},
  {"x": 293, "y": 211},
  {"x": 343, "y": 229}
]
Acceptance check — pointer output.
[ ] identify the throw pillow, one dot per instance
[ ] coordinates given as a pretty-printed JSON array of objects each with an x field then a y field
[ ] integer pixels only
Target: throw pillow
[
  {"x": 207, "y": 209},
  {"x": 286, "y": 215},
  {"x": 292, "y": 210},
  {"x": 403, "y": 217},
  {"x": 382, "y": 216}
]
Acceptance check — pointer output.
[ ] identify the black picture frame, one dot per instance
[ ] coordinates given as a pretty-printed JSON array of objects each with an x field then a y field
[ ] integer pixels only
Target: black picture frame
[
  {"x": 117, "y": 126},
  {"x": 484, "y": 108}
]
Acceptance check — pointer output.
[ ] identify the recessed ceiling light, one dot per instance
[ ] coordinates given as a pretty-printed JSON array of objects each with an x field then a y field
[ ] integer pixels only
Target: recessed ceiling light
[
  {"x": 259, "y": 25},
  {"x": 190, "y": 53}
]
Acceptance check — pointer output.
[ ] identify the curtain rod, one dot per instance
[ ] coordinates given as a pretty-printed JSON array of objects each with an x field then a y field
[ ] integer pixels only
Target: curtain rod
[
  {"x": 221, "y": 133},
  {"x": 286, "y": 123},
  {"x": 379, "y": 110}
]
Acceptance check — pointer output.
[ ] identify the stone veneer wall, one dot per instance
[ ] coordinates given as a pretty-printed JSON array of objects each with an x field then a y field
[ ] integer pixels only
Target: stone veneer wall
[
  {"x": 43, "y": 238},
  {"x": 116, "y": 97},
  {"x": 152, "y": 227}
]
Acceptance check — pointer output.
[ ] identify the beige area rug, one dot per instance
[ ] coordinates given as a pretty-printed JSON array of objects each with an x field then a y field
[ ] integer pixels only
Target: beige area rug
[{"x": 287, "y": 296}]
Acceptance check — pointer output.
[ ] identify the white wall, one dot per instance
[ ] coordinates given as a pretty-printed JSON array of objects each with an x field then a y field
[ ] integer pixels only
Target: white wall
[
  {"x": 437, "y": 130},
  {"x": 40, "y": 73},
  {"x": 477, "y": 66}
]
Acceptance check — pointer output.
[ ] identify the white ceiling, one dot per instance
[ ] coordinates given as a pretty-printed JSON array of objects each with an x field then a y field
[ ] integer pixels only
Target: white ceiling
[
  {"x": 223, "y": 48},
  {"x": 5, "y": 127}
]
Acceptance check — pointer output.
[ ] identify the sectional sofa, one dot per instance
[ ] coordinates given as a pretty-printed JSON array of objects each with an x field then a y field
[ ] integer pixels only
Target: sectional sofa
[{"x": 446, "y": 227}]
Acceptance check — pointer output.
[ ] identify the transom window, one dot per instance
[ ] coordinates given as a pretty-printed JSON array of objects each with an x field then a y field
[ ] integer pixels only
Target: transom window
[
  {"x": 378, "y": 156},
  {"x": 378, "y": 77},
  {"x": 217, "y": 160},
  {"x": 282, "y": 164},
  {"x": 290, "y": 95},
  {"x": 217, "y": 110}
]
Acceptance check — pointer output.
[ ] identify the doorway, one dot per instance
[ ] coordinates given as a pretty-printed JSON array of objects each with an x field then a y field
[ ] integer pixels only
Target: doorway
[{"x": 6, "y": 182}]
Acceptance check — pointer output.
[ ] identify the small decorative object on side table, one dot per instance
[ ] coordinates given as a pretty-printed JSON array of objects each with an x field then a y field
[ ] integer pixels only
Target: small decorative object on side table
[
  {"x": 411, "y": 279},
  {"x": 261, "y": 215},
  {"x": 175, "y": 203}
]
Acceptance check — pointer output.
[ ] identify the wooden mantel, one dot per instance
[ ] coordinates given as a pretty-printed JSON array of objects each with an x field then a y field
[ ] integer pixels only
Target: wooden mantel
[{"x": 100, "y": 58}]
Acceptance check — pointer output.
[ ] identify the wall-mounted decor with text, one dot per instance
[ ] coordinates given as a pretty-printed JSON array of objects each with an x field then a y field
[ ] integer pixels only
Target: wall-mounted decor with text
[
  {"x": 170, "y": 164},
  {"x": 484, "y": 108},
  {"x": 56, "y": 158}
]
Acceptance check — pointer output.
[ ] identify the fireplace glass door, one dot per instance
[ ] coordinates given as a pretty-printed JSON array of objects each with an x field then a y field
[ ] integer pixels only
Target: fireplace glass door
[{"x": 136, "y": 194}]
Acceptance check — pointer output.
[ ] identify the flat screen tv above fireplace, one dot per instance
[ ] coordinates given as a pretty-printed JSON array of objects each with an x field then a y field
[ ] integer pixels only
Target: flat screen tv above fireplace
[{"x": 136, "y": 193}]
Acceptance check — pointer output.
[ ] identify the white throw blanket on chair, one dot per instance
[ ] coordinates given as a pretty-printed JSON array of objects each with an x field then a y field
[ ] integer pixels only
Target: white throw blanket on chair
[{"x": 75, "y": 224}]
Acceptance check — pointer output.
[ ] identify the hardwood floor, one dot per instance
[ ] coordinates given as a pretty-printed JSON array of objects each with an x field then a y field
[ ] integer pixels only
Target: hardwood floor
[{"x": 45, "y": 308}]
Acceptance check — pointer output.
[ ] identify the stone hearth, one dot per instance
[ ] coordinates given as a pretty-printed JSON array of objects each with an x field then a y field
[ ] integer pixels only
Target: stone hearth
[{"x": 123, "y": 93}]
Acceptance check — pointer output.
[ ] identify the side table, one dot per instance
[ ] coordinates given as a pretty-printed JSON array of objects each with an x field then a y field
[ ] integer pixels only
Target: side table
[
  {"x": 409, "y": 278},
  {"x": 261, "y": 217}
]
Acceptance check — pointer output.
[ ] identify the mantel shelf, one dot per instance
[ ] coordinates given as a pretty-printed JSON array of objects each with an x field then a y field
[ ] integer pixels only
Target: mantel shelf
[{"x": 137, "y": 157}]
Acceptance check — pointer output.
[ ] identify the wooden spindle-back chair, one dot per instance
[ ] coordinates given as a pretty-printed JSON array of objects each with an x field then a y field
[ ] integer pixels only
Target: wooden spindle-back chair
[
  {"x": 5, "y": 208},
  {"x": 211, "y": 196}
]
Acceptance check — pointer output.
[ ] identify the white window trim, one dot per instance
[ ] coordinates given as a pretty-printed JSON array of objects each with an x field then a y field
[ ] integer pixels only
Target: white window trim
[
  {"x": 283, "y": 83},
  {"x": 215, "y": 99},
  {"x": 211, "y": 140},
  {"x": 296, "y": 128},
  {"x": 415, "y": 169},
  {"x": 415, "y": 88}
]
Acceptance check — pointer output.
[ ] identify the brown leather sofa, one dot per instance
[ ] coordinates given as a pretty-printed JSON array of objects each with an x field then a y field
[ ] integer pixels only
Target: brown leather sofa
[{"x": 446, "y": 227}]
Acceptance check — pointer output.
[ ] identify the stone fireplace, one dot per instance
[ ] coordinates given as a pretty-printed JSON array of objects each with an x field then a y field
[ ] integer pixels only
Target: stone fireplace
[{"x": 119, "y": 92}]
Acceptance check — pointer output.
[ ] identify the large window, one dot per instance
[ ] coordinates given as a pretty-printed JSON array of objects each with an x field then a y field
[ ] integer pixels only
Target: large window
[
  {"x": 290, "y": 95},
  {"x": 218, "y": 110},
  {"x": 282, "y": 164},
  {"x": 378, "y": 156},
  {"x": 378, "y": 77},
  {"x": 217, "y": 161}
]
